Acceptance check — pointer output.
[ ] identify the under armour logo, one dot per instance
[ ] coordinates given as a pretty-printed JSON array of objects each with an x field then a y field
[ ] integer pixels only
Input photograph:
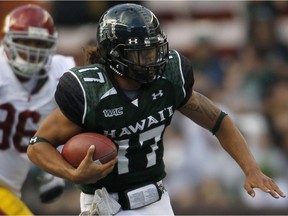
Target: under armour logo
[
  {"x": 33, "y": 140},
  {"x": 133, "y": 41},
  {"x": 160, "y": 94}
]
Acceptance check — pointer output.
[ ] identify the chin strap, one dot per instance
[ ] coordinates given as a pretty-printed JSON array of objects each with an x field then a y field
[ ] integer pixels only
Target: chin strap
[{"x": 115, "y": 70}]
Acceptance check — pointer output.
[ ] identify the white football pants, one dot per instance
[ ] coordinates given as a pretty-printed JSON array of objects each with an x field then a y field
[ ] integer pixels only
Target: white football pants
[{"x": 162, "y": 207}]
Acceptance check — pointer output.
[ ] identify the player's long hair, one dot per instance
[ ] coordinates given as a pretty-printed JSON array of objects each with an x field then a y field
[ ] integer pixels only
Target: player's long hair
[{"x": 92, "y": 56}]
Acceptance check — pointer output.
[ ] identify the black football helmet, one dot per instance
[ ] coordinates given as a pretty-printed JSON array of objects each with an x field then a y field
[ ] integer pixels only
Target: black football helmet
[{"x": 131, "y": 42}]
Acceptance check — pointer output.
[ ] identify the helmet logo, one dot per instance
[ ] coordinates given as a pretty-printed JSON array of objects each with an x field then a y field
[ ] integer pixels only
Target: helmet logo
[
  {"x": 133, "y": 41},
  {"x": 107, "y": 30}
]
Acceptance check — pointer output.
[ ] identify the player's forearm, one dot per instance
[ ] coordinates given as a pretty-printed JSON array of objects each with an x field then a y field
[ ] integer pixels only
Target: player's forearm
[
  {"x": 49, "y": 159},
  {"x": 234, "y": 143}
]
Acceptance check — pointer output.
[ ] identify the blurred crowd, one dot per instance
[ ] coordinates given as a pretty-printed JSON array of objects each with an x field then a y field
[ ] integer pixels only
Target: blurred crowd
[{"x": 246, "y": 75}]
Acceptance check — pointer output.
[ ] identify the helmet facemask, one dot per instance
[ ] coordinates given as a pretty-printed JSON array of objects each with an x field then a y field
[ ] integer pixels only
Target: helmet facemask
[
  {"x": 29, "y": 41},
  {"x": 26, "y": 61},
  {"x": 141, "y": 63}
]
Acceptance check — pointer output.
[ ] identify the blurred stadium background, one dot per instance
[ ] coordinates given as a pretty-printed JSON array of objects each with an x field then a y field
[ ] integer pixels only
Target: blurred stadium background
[{"x": 239, "y": 49}]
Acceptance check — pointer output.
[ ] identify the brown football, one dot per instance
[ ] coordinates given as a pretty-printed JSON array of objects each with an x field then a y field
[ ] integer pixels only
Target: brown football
[{"x": 75, "y": 149}]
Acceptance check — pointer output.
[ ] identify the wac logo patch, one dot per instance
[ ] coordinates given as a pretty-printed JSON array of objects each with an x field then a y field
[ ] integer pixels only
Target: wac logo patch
[{"x": 113, "y": 112}]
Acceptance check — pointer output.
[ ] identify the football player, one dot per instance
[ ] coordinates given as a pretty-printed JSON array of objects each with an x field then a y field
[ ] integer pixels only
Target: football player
[
  {"x": 29, "y": 72},
  {"x": 129, "y": 93}
]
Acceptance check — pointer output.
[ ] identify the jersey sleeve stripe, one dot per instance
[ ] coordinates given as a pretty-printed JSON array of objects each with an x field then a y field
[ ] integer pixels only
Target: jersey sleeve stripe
[
  {"x": 182, "y": 76},
  {"x": 84, "y": 94}
]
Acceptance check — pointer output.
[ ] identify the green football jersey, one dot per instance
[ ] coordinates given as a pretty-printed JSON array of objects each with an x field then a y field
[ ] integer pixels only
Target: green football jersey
[{"x": 89, "y": 97}]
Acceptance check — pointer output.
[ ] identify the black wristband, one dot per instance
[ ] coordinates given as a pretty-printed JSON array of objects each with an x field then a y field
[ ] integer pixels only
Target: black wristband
[
  {"x": 218, "y": 123},
  {"x": 37, "y": 139}
]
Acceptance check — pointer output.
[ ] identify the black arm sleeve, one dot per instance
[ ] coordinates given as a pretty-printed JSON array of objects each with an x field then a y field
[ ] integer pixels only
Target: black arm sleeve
[
  {"x": 187, "y": 70},
  {"x": 70, "y": 99}
]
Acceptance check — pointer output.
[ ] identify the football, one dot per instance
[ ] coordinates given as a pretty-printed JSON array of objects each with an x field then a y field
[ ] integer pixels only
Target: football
[{"x": 75, "y": 149}]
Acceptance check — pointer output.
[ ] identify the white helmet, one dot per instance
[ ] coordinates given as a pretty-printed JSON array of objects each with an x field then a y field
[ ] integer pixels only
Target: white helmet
[{"x": 29, "y": 23}]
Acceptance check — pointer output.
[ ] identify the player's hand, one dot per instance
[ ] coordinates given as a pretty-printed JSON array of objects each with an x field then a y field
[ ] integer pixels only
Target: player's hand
[
  {"x": 90, "y": 172},
  {"x": 51, "y": 187},
  {"x": 257, "y": 179}
]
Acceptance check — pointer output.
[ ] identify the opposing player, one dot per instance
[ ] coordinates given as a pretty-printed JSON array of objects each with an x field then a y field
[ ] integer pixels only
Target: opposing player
[
  {"x": 29, "y": 73},
  {"x": 130, "y": 95}
]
